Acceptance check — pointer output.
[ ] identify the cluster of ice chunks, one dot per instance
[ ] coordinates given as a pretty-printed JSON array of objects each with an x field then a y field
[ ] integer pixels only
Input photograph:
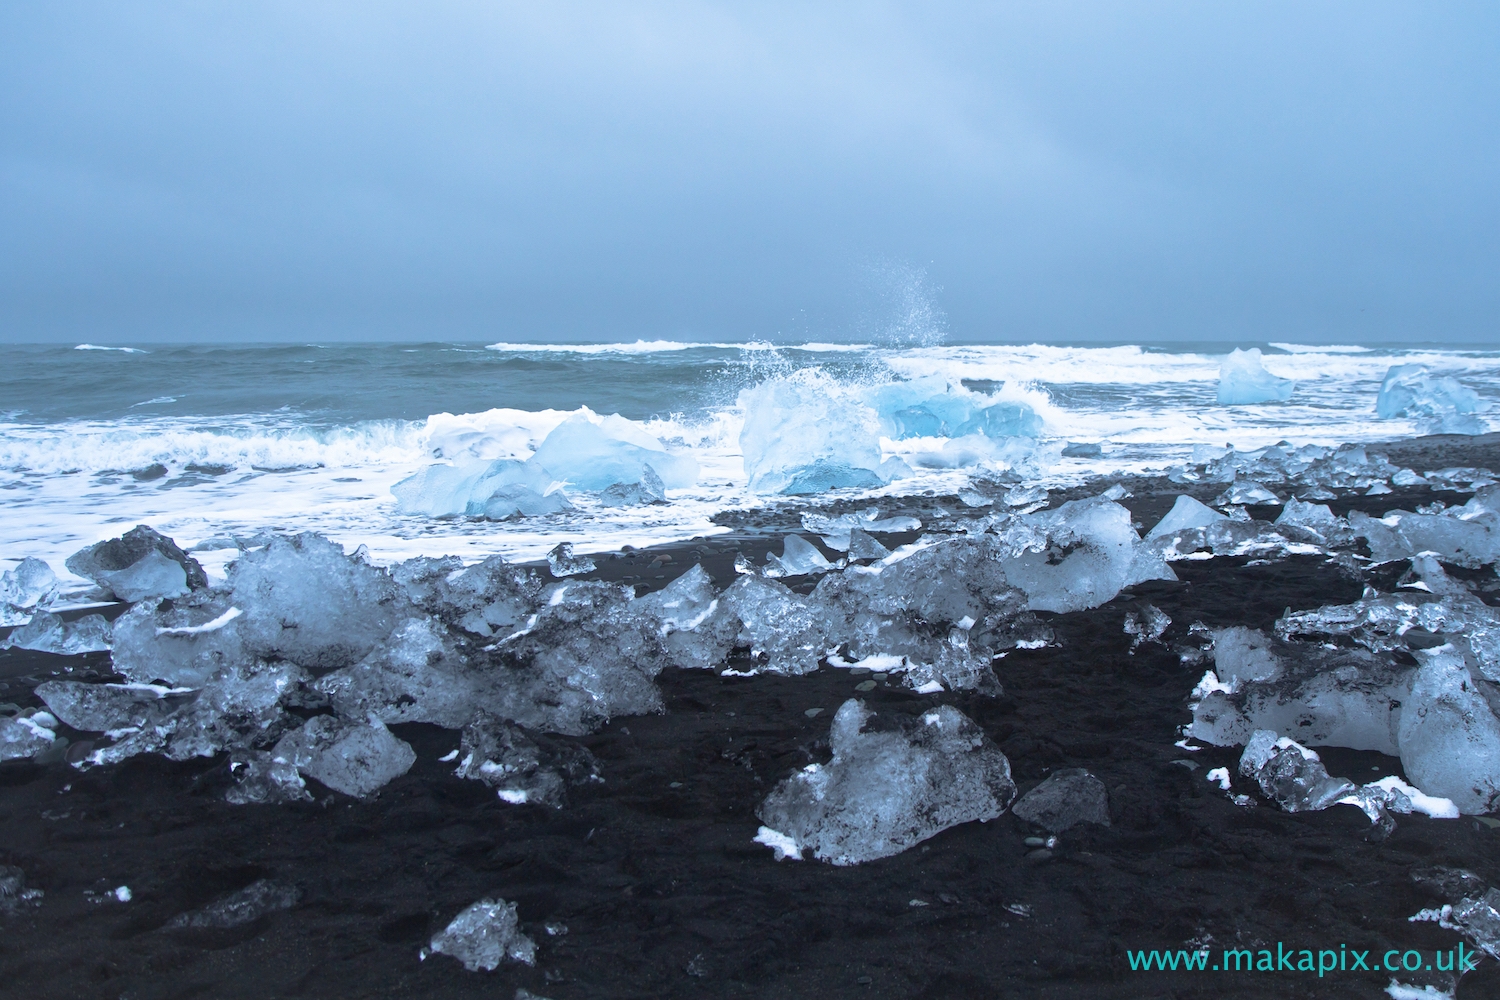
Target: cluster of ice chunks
[
  {"x": 1463, "y": 536},
  {"x": 612, "y": 456},
  {"x": 1244, "y": 379},
  {"x": 140, "y": 565},
  {"x": 838, "y": 532},
  {"x": 23, "y": 590},
  {"x": 1441, "y": 717},
  {"x": 483, "y": 935},
  {"x": 1309, "y": 470},
  {"x": 1147, "y": 625},
  {"x": 1437, "y": 404},
  {"x": 27, "y": 735},
  {"x": 887, "y": 788}
]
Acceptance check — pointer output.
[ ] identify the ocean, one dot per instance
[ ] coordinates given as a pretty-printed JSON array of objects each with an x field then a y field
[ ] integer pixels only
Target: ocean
[{"x": 207, "y": 441}]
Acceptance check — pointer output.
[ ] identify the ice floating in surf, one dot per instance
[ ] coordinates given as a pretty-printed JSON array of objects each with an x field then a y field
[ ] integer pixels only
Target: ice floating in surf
[
  {"x": 1243, "y": 379},
  {"x": 1437, "y": 404}
]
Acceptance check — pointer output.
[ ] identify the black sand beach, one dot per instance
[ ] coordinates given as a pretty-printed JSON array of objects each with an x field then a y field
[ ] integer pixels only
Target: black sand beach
[{"x": 649, "y": 884}]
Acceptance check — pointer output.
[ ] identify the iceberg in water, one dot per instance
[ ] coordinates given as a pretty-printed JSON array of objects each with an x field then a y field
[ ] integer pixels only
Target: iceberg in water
[
  {"x": 469, "y": 489},
  {"x": 805, "y": 433},
  {"x": 931, "y": 407},
  {"x": 1243, "y": 379},
  {"x": 596, "y": 456},
  {"x": 1438, "y": 404}
]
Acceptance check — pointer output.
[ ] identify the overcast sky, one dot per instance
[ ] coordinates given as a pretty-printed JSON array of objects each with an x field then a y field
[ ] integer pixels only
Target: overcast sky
[{"x": 1044, "y": 171}]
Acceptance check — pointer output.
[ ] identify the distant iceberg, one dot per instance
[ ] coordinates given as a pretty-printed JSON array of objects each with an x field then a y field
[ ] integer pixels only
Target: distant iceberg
[{"x": 1243, "y": 379}]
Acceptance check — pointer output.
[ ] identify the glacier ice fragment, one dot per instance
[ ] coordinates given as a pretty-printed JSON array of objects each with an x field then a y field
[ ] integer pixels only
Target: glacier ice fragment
[
  {"x": 891, "y": 787},
  {"x": 350, "y": 757},
  {"x": 522, "y": 768},
  {"x": 483, "y": 935},
  {"x": 1244, "y": 379},
  {"x": 563, "y": 562},
  {"x": 1438, "y": 404},
  {"x": 799, "y": 557},
  {"x": 141, "y": 564},
  {"x": 47, "y": 633}
]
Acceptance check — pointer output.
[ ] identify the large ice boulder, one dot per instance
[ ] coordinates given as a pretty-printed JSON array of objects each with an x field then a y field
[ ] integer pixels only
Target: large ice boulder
[
  {"x": 805, "y": 433},
  {"x": 357, "y": 759},
  {"x": 1244, "y": 379},
  {"x": 1449, "y": 734},
  {"x": 1438, "y": 404},
  {"x": 140, "y": 565},
  {"x": 468, "y": 489},
  {"x": 1186, "y": 513},
  {"x": 595, "y": 456},
  {"x": 888, "y": 788},
  {"x": 932, "y": 407}
]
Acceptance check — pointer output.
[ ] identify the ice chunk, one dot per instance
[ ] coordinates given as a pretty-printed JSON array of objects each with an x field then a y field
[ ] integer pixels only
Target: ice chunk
[
  {"x": 1147, "y": 626},
  {"x": 863, "y": 545},
  {"x": 1449, "y": 735},
  {"x": 263, "y": 778},
  {"x": 522, "y": 768},
  {"x": 183, "y": 645},
  {"x": 1438, "y": 404},
  {"x": 258, "y": 899},
  {"x": 1316, "y": 518},
  {"x": 1472, "y": 543},
  {"x": 564, "y": 563},
  {"x": 887, "y": 789},
  {"x": 1089, "y": 553},
  {"x": 306, "y": 601},
  {"x": 1472, "y": 908},
  {"x": 1244, "y": 379},
  {"x": 1394, "y": 795},
  {"x": 1068, "y": 797},
  {"x": 31, "y": 585},
  {"x": 799, "y": 557},
  {"x": 807, "y": 433},
  {"x": 1075, "y": 449},
  {"x": 13, "y": 891},
  {"x": 47, "y": 633},
  {"x": 697, "y": 634},
  {"x": 1243, "y": 491},
  {"x": 26, "y": 735},
  {"x": 1186, "y": 513},
  {"x": 484, "y": 935},
  {"x": 595, "y": 456},
  {"x": 415, "y": 676},
  {"x": 1291, "y": 774},
  {"x": 521, "y": 501},
  {"x": 836, "y": 531},
  {"x": 354, "y": 758},
  {"x": 467, "y": 488},
  {"x": 139, "y": 565},
  {"x": 781, "y": 628},
  {"x": 648, "y": 491},
  {"x": 96, "y": 708}
]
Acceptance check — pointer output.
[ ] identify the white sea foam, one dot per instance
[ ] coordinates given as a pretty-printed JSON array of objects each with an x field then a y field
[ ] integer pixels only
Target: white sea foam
[{"x": 98, "y": 347}]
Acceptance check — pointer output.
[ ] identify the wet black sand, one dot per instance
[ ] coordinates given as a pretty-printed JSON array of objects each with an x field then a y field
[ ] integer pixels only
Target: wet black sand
[{"x": 661, "y": 889}]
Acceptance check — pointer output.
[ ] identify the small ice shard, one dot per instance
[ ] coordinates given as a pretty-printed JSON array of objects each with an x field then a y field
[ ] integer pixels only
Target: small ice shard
[
  {"x": 1316, "y": 518},
  {"x": 1147, "y": 626},
  {"x": 263, "y": 778},
  {"x": 1471, "y": 907},
  {"x": 784, "y": 846},
  {"x": 1185, "y": 514},
  {"x": 1117, "y": 492},
  {"x": 1075, "y": 449},
  {"x": 970, "y": 497},
  {"x": 27, "y": 735},
  {"x": 1244, "y": 379},
  {"x": 1394, "y": 795},
  {"x": 1068, "y": 797},
  {"x": 1220, "y": 777},
  {"x": 648, "y": 491},
  {"x": 139, "y": 565},
  {"x": 799, "y": 557},
  {"x": 1449, "y": 734},
  {"x": 1243, "y": 491},
  {"x": 484, "y": 935},
  {"x": 836, "y": 531},
  {"x": 13, "y": 891},
  {"x": 258, "y": 899},
  {"x": 522, "y": 768},
  {"x": 47, "y": 633},
  {"x": 354, "y": 758},
  {"x": 1437, "y": 404},
  {"x": 890, "y": 788},
  {"x": 29, "y": 586},
  {"x": 1290, "y": 774},
  {"x": 863, "y": 545},
  {"x": 564, "y": 563}
]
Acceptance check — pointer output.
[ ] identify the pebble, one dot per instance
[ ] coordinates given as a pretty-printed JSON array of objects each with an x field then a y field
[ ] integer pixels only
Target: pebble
[
  {"x": 1040, "y": 854},
  {"x": 865, "y": 686},
  {"x": 880, "y": 676},
  {"x": 1036, "y": 842},
  {"x": 859, "y": 670},
  {"x": 813, "y": 713},
  {"x": 864, "y": 980}
]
